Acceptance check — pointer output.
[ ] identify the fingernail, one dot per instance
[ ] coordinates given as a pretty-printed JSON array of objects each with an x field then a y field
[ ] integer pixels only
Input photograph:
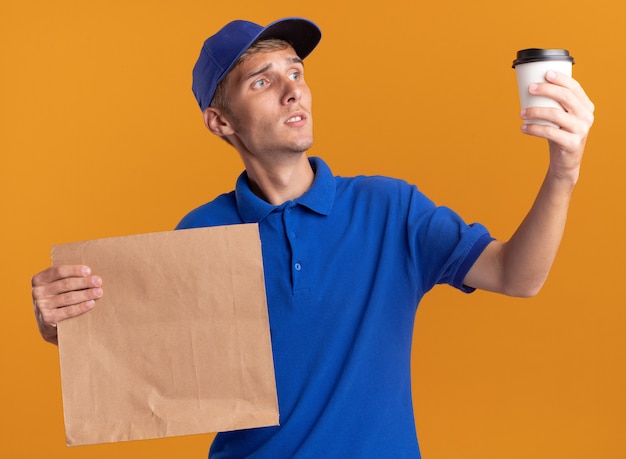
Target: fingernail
[
  {"x": 533, "y": 87},
  {"x": 90, "y": 303},
  {"x": 97, "y": 281},
  {"x": 86, "y": 271},
  {"x": 97, "y": 291},
  {"x": 522, "y": 113},
  {"x": 550, "y": 75}
]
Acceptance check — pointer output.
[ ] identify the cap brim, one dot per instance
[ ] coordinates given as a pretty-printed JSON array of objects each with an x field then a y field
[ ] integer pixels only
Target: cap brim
[{"x": 301, "y": 33}]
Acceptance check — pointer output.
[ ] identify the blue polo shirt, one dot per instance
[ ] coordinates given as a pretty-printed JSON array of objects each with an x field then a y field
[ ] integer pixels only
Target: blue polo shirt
[{"x": 346, "y": 265}]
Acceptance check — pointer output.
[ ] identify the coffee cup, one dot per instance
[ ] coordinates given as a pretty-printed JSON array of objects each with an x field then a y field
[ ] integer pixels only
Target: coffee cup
[{"x": 531, "y": 66}]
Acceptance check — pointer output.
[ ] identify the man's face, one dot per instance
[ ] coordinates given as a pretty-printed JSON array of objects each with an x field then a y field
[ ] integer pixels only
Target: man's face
[{"x": 270, "y": 104}]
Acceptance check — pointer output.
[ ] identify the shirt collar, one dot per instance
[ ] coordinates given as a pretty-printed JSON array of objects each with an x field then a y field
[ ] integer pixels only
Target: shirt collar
[{"x": 319, "y": 198}]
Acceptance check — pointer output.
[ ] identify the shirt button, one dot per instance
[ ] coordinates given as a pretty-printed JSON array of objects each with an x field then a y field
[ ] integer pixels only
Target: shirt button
[{"x": 298, "y": 266}]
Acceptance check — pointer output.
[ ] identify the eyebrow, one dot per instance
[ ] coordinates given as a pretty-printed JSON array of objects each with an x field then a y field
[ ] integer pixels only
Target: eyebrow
[{"x": 290, "y": 60}]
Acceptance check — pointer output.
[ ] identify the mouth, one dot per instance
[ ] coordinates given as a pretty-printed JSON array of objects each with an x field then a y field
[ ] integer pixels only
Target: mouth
[{"x": 295, "y": 119}]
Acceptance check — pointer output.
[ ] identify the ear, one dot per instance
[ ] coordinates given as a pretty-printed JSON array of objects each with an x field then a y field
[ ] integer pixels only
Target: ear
[{"x": 216, "y": 122}]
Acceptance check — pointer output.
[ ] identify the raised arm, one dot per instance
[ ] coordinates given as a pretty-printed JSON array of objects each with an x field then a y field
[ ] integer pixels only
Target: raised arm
[
  {"x": 520, "y": 266},
  {"x": 61, "y": 292}
]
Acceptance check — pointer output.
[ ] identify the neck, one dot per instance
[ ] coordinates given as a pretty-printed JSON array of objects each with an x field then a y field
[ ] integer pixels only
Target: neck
[{"x": 279, "y": 181}]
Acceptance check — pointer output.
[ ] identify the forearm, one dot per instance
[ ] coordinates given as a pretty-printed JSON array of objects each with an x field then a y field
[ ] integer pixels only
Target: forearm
[
  {"x": 526, "y": 259},
  {"x": 520, "y": 266}
]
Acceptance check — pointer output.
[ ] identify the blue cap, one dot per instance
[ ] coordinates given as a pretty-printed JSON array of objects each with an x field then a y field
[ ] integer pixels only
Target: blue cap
[{"x": 221, "y": 51}]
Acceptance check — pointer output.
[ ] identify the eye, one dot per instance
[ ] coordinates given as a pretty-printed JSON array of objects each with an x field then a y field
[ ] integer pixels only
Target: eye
[
  {"x": 259, "y": 83},
  {"x": 295, "y": 75}
]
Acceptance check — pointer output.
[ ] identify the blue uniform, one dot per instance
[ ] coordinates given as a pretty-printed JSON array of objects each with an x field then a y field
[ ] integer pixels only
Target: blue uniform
[{"x": 346, "y": 265}]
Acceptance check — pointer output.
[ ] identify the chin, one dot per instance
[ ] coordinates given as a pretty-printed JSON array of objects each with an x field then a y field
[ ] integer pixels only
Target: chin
[{"x": 303, "y": 144}]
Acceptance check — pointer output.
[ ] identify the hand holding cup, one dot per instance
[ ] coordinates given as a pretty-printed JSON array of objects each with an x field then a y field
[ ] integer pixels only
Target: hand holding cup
[{"x": 531, "y": 66}]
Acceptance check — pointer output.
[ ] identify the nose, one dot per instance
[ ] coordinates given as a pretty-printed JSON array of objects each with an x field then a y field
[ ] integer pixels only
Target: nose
[{"x": 292, "y": 91}]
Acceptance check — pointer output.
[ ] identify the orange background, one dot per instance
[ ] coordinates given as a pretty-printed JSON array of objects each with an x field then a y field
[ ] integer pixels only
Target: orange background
[{"x": 100, "y": 136}]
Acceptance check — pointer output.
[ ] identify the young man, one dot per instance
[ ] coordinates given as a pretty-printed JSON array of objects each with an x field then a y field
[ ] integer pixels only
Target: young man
[{"x": 346, "y": 260}]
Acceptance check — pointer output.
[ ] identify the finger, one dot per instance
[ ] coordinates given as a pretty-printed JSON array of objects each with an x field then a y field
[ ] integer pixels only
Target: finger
[
  {"x": 573, "y": 85},
  {"x": 54, "y": 309},
  {"x": 565, "y": 90},
  {"x": 48, "y": 303},
  {"x": 54, "y": 273},
  {"x": 551, "y": 133},
  {"x": 577, "y": 115},
  {"x": 52, "y": 317},
  {"x": 65, "y": 285},
  {"x": 57, "y": 297},
  {"x": 560, "y": 94},
  {"x": 567, "y": 122}
]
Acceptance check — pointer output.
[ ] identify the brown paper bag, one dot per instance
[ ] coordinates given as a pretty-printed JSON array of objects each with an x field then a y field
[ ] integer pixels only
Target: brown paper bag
[{"x": 178, "y": 344}]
